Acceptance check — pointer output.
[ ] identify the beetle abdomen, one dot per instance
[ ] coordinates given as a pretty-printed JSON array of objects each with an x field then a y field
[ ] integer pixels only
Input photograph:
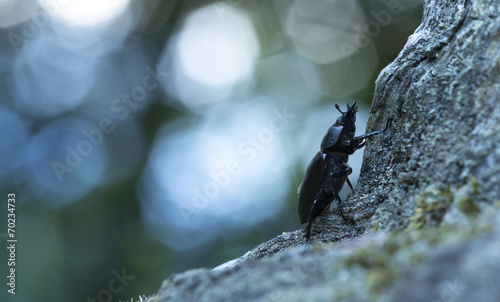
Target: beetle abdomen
[{"x": 315, "y": 178}]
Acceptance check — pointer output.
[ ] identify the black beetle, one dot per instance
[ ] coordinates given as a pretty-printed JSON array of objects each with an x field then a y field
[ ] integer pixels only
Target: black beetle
[{"x": 326, "y": 174}]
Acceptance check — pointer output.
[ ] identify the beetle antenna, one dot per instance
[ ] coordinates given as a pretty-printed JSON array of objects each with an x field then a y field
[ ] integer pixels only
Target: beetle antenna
[{"x": 338, "y": 108}]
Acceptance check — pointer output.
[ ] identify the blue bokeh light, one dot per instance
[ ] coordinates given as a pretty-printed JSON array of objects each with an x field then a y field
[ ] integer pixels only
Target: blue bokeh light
[
  {"x": 51, "y": 78},
  {"x": 228, "y": 170},
  {"x": 13, "y": 141},
  {"x": 65, "y": 160},
  {"x": 212, "y": 57}
]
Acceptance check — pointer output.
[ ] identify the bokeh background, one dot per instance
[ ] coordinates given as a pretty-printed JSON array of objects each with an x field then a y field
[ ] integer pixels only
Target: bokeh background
[{"x": 152, "y": 137}]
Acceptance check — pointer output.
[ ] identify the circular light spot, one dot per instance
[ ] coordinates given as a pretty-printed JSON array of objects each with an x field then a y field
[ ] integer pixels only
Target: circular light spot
[
  {"x": 212, "y": 57},
  {"x": 85, "y": 13}
]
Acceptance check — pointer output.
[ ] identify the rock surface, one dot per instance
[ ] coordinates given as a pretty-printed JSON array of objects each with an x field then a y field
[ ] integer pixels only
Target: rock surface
[{"x": 427, "y": 202}]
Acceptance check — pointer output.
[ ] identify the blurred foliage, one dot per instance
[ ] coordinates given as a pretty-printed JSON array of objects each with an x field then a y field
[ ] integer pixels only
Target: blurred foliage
[{"x": 119, "y": 207}]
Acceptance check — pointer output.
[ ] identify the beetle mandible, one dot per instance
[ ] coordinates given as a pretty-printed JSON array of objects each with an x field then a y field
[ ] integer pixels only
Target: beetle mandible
[{"x": 328, "y": 170}]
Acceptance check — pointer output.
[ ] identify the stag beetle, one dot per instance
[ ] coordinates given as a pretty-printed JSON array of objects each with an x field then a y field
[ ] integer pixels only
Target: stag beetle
[{"x": 328, "y": 170}]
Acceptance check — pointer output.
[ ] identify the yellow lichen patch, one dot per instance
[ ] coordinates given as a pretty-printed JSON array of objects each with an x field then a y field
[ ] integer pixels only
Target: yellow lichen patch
[
  {"x": 380, "y": 278},
  {"x": 382, "y": 264},
  {"x": 360, "y": 258},
  {"x": 465, "y": 198},
  {"x": 430, "y": 207},
  {"x": 467, "y": 206}
]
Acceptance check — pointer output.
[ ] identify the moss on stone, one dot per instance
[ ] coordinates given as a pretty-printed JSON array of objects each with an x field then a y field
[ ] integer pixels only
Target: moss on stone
[{"x": 430, "y": 207}]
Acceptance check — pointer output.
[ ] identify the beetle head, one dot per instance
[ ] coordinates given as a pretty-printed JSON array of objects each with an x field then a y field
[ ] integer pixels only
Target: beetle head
[
  {"x": 348, "y": 118},
  {"x": 342, "y": 130}
]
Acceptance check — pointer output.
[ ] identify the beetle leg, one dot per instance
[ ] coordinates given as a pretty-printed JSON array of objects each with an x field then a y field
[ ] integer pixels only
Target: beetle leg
[
  {"x": 360, "y": 141},
  {"x": 326, "y": 210},
  {"x": 349, "y": 183},
  {"x": 308, "y": 229},
  {"x": 363, "y": 137},
  {"x": 342, "y": 173},
  {"x": 340, "y": 209},
  {"x": 363, "y": 143},
  {"x": 323, "y": 199},
  {"x": 313, "y": 212},
  {"x": 355, "y": 143}
]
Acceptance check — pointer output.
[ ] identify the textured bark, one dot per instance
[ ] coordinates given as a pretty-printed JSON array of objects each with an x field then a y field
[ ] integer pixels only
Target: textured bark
[{"x": 435, "y": 174}]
